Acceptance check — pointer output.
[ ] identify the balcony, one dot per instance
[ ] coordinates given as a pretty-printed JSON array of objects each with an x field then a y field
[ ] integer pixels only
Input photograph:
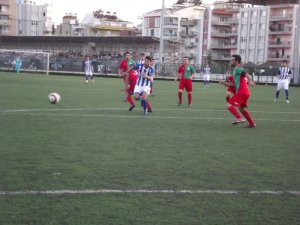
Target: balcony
[
  {"x": 288, "y": 17},
  {"x": 224, "y": 34},
  {"x": 191, "y": 45},
  {"x": 224, "y": 57},
  {"x": 191, "y": 55},
  {"x": 183, "y": 34},
  {"x": 192, "y": 34},
  {"x": 216, "y": 22},
  {"x": 287, "y": 30},
  {"x": 224, "y": 46},
  {"x": 188, "y": 23},
  {"x": 277, "y": 57},
  {"x": 280, "y": 44},
  {"x": 4, "y": 22}
]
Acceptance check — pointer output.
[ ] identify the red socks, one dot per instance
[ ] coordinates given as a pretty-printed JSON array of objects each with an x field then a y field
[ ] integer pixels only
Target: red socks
[
  {"x": 248, "y": 117},
  {"x": 189, "y": 98},
  {"x": 234, "y": 112},
  {"x": 180, "y": 97}
]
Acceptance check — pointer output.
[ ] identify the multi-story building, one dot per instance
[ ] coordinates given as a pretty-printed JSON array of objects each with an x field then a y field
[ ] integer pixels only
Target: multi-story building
[
  {"x": 182, "y": 26},
  {"x": 106, "y": 24},
  {"x": 7, "y": 12},
  {"x": 32, "y": 19}
]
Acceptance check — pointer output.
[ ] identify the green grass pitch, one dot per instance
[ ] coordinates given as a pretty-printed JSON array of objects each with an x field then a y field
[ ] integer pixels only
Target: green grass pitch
[{"x": 177, "y": 166}]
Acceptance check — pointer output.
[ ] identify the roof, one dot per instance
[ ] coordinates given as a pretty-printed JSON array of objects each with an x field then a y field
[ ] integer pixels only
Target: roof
[
  {"x": 268, "y": 65},
  {"x": 74, "y": 39},
  {"x": 249, "y": 65}
]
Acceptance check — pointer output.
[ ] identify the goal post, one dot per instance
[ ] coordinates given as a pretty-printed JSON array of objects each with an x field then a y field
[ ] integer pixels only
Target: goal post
[{"x": 31, "y": 61}]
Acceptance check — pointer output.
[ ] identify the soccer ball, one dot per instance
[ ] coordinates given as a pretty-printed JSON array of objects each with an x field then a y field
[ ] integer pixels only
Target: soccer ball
[{"x": 54, "y": 98}]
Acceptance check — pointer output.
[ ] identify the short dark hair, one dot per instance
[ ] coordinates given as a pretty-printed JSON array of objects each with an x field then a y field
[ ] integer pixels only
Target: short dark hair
[
  {"x": 285, "y": 61},
  {"x": 127, "y": 53},
  {"x": 237, "y": 58},
  {"x": 148, "y": 58}
]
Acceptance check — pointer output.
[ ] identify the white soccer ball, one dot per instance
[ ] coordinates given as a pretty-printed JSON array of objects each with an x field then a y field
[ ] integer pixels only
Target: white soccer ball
[{"x": 54, "y": 98}]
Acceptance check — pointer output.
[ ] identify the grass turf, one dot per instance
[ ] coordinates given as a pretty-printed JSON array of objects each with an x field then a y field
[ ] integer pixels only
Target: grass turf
[{"x": 91, "y": 141}]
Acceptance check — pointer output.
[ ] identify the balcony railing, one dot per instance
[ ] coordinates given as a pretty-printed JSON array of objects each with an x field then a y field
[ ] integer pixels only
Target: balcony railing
[
  {"x": 281, "y": 17},
  {"x": 279, "y": 44},
  {"x": 278, "y": 57},
  {"x": 287, "y": 30}
]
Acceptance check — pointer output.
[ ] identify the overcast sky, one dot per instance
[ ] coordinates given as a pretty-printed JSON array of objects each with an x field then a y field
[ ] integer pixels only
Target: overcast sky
[{"x": 136, "y": 7}]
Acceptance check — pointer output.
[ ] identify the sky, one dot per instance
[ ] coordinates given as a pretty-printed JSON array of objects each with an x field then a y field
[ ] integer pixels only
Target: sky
[{"x": 128, "y": 10}]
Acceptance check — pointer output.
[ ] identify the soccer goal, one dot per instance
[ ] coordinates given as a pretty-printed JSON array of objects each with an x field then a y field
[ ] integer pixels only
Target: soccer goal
[{"x": 30, "y": 61}]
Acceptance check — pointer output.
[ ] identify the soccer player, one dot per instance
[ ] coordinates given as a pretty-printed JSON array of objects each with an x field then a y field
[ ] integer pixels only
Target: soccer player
[
  {"x": 88, "y": 69},
  {"x": 284, "y": 74},
  {"x": 123, "y": 70},
  {"x": 131, "y": 82},
  {"x": 186, "y": 72},
  {"x": 18, "y": 64},
  {"x": 143, "y": 84},
  {"x": 240, "y": 98},
  {"x": 229, "y": 83},
  {"x": 206, "y": 76}
]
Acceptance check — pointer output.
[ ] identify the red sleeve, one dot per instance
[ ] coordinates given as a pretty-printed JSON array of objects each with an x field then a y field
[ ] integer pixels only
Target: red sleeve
[{"x": 179, "y": 69}]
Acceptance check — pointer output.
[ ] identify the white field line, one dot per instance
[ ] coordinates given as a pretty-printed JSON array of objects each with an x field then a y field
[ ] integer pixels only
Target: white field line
[
  {"x": 148, "y": 191},
  {"x": 149, "y": 117},
  {"x": 126, "y": 109}
]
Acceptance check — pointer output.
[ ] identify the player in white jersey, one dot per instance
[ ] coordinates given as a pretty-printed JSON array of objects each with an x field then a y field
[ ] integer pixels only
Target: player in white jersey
[
  {"x": 284, "y": 75},
  {"x": 206, "y": 75},
  {"x": 88, "y": 69},
  {"x": 143, "y": 84}
]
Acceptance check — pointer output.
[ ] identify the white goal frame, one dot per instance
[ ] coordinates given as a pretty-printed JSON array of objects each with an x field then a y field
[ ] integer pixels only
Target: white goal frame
[{"x": 47, "y": 54}]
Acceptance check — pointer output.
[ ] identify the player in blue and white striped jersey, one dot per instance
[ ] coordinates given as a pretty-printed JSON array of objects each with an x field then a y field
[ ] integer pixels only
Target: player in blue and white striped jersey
[
  {"x": 88, "y": 69},
  {"x": 284, "y": 75},
  {"x": 144, "y": 82}
]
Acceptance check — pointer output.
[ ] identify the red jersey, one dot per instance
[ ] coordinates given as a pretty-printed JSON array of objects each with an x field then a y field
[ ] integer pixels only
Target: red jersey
[
  {"x": 230, "y": 80},
  {"x": 123, "y": 65}
]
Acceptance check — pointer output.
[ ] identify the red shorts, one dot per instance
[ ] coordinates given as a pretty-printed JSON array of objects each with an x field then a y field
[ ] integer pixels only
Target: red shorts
[
  {"x": 187, "y": 84},
  {"x": 239, "y": 100}
]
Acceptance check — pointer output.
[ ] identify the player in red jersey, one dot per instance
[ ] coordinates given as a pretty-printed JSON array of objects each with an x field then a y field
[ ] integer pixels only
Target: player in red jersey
[
  {"x": 230, "y": 86},
  {"x": 131, "y": 81},
  {"x": 240, "y": 98},
  {"x": 186, "y": 72},
  {"x": 123, "y": 70}
]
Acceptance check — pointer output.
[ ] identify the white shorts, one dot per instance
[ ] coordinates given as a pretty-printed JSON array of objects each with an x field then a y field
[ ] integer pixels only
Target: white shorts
[
  {"x": 206, "y": 77},
  {"x": 140, "y": 89},
  {"x": 89, "y": 74},
  {"x": 283, "y": 84}
]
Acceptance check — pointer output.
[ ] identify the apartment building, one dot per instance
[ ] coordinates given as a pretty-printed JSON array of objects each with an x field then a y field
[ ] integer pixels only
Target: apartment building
[
  {"x": 104, "y": 24},
  {"x": 8, "y": 11},
  {"x": 182, "y": 27}
]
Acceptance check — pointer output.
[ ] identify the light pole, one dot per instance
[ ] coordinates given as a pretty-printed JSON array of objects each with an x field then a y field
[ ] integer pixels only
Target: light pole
[
  {"x": 296, "y": 57},
  {"x": 161, "y": 43}
]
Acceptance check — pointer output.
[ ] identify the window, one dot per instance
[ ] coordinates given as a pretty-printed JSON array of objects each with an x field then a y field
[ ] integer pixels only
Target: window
[
  {"x": 261, "y": 39},
  {"x": 146, "y": 22},
  {"x": 253, "y": 13},
  {"x": 242, "y": 51},
  {"x": 262, "y": 26},
  {"x": 243, "y": 39},
  {"x": 152, "y": 32},
  {"x": 157, "y": 22},
  {"x": 263, "y": 13},
  {"x": 244, "y": 14},
  {"x": 252, "y": 26}
]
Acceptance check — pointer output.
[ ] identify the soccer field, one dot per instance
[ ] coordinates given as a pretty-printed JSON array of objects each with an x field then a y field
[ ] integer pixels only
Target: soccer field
[{"x": 88, "y": 160}]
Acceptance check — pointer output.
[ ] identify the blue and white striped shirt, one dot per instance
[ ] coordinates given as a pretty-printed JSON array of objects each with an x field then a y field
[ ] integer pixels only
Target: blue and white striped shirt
[
  {"x": 284, "y": 73},
  {"x": 142, "y": 80}
]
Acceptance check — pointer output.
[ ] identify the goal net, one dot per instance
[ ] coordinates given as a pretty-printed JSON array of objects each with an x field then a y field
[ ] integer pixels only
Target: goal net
[{"x": 30, "y": 61}]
